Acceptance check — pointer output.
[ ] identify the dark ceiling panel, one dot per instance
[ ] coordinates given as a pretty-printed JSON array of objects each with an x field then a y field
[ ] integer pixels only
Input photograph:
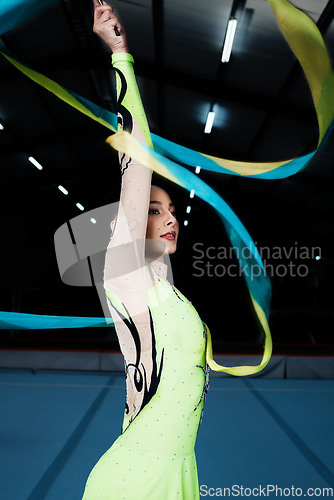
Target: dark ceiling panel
[
  {"x": 234, "y": 128},
  {"x": 194, "y": 35},
  {"x": 253, "y": 62},
  {"x": 17, "y": 167},
  {"x": 149, "y": 95},
  {"x": 46, "y": 35},
  {"x": 290, "y": 189},
  {"x": 186, "y": 113},
  {"x": 283, "y": 139},
  {"x": 52, "y": 156},
  {"x": 23, "y": 111},
  {"x": 322, "y": 166}
]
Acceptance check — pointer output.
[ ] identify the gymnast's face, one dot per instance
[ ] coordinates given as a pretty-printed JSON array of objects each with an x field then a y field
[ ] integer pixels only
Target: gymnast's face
[{"x": 162, "y": 225}]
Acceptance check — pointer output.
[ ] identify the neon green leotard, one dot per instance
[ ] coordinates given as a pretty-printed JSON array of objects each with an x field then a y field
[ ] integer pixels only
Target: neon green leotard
[
  {"x": 154, "y": 456},
  {"x": 162, "y": 339}
]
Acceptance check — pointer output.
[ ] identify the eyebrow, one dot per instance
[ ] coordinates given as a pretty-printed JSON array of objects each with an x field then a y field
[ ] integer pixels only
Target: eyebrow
[{"x": 159, "y": 203}]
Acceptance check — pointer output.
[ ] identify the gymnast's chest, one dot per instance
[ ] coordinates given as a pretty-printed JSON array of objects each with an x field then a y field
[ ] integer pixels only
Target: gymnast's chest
[{"x": 175, "y": 320}]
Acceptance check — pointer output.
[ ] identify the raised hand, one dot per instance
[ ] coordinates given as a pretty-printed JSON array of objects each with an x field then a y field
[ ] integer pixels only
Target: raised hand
[{"x": 105, "y": 22}]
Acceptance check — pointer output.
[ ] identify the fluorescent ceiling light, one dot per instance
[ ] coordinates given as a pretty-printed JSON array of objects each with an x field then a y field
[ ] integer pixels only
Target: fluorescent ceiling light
[
  {"x": 80, "y": 206},
  {"x": 318, "y": 257},
  {"x": 62, "y": 189},
  {"x": 185, "y": 223},
  {"x": 93, "y": 220},
  {"x": 192, "y": 193},
  {"x": 231, "y": 27},
  {"x": 188, "y": 209},
  {"x": 209, "y": 122},
  {"x": 1, "y": 126},
  {"x": 35, "y": 163},
  {"x": 197, "y": 170}
]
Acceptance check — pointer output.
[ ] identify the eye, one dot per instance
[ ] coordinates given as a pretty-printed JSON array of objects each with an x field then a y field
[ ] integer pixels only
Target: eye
[
  {"x": 173, "y": 213},
  {"x": 153, "y": 211}
]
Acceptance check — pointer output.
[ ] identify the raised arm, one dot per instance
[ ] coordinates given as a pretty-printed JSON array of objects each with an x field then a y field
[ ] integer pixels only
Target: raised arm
[
  {"x": 131, "y": 223},
  {"x": 127, "y": 278}
]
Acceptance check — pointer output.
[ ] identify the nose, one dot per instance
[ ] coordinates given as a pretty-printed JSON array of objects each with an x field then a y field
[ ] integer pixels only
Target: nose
[{"x": 170, "y": 220}]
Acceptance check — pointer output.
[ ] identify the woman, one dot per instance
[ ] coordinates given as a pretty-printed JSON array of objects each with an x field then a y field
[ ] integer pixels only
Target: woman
[{"x": 161, "y": 335}]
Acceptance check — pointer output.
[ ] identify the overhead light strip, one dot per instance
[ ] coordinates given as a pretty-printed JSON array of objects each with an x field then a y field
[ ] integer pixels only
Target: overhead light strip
[
  {"x": 228, "y": 42},
  {"x": 62, "y": 189},
  {"x": 209, "y": 122},
  {"x": 35, "y": 163}
]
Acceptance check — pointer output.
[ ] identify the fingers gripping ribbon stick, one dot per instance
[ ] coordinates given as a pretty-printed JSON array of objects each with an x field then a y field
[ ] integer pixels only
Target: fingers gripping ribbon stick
[{"x": 115, "y": 28}]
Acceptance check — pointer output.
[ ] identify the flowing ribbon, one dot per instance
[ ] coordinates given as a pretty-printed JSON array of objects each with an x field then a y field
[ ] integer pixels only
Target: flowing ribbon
[
  {"x": 22, "y": 321},
  {"x": 308, "y": 45}
]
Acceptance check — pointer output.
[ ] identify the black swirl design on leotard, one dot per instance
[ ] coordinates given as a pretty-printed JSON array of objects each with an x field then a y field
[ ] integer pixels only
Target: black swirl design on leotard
[
  {"x": 206, "y": 382},
  {"x": 141, "y": 382},
  {"x": 126, "y": 164},
  {"x": 205, "y": 370},
  {"x": 205, "y": 390},
  {"x": 178, "y": 296},
  {"x": 125, "y": 120}
]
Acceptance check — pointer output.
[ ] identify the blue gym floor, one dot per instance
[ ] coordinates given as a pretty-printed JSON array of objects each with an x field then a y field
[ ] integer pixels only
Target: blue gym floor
[{"x": 255, "y": 432}]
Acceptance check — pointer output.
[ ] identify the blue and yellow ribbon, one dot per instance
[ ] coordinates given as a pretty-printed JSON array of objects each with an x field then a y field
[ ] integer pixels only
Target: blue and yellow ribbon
[
  {"x": 22, "y": 321},
  {"x": 308, "y": 45}
]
